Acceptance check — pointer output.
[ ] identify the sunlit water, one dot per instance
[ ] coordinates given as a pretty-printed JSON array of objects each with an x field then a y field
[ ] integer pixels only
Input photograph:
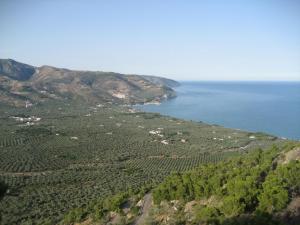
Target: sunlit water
[{"x": 271, "y": 107}]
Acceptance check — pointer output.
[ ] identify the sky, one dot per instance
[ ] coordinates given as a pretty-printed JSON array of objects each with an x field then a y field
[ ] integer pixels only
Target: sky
[{"x": 183, "y": 40}]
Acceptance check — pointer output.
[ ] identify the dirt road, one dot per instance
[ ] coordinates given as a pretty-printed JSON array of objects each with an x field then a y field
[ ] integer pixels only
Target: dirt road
[{"x": 140, "y": 220}]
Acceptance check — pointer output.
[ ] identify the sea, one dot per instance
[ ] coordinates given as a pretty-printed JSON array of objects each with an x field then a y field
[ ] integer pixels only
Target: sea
[{"x": 269, "y": 107}]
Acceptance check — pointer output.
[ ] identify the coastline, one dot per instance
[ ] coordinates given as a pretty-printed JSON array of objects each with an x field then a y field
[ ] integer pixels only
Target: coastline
[{"x": 245, "y": 106}]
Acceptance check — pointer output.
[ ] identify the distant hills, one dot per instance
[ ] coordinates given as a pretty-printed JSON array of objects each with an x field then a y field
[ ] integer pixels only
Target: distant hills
[{"x": 21, "y": 83}]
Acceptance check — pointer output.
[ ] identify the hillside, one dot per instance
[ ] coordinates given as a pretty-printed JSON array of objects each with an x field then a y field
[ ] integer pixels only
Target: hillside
[
  {"x": 261, "y": 187},
  {"x": 21, "y": 83}
]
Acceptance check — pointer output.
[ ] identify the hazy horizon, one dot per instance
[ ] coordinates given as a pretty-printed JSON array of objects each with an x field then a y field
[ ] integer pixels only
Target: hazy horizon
[
  {"x": 179, "y": 80},
  {"x": 194, "y": 40}
]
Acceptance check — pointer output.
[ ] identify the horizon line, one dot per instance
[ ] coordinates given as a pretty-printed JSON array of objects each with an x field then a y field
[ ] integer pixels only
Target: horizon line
[
  {"x": 237, "y": 80},
  {"x": 162, "y": 76}
]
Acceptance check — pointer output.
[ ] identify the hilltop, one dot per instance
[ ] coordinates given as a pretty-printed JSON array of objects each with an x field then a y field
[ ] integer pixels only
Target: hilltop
[{"x": 21, "y": 83}]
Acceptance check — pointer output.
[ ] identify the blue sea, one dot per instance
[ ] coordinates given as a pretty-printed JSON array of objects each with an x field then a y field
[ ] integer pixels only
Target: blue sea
[{"x": 270, "y": 107}]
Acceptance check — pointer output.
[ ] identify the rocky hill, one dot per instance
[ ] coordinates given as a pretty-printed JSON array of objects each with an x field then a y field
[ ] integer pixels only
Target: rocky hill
[{"x": 21, "y": 83}]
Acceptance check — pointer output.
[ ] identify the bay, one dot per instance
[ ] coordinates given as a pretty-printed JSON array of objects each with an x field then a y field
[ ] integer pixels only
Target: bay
[{"x": 270, "y": 107}]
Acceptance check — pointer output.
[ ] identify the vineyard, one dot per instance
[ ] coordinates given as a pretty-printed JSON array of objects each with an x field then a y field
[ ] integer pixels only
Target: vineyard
[{"x": 77, "y": 153}]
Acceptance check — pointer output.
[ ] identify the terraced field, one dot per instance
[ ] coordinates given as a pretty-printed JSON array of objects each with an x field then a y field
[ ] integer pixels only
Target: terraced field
[{"x": 77, "y": 152}]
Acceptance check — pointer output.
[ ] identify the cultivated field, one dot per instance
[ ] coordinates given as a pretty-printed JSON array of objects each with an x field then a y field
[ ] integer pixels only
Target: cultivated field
[{"x": 60, "y": 156}]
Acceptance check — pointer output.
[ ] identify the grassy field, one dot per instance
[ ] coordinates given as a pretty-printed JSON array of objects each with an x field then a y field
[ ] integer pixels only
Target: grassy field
[{"x": 77, "y": 152}]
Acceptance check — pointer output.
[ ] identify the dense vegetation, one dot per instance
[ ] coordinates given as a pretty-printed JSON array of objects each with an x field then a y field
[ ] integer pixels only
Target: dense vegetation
[
  {"x": 255, "y": 189},
  {"x": 101, "y": 210},
  {"x": 78, "y": 153},
  {"x": 251, "y": 189}
]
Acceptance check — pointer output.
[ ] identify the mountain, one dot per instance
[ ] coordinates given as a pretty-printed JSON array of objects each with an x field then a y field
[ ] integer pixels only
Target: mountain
[
  {"x": 162, "y": 81},
  {"x": 16, "y": 70},
  {"x": 21, "y": 83}
]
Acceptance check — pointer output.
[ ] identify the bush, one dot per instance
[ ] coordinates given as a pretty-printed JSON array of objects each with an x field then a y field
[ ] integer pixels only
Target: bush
[
  {"x": 75, "y": 215},
  {"x": 273, "y": 199},
  {"x": 232, "y": 206},
  {"x": 115, "y": 202},
  {"x": 207, "y": 215}
]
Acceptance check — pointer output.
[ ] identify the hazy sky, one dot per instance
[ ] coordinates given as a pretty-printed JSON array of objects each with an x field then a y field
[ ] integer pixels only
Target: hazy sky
[{"x": 194, "y": 40}]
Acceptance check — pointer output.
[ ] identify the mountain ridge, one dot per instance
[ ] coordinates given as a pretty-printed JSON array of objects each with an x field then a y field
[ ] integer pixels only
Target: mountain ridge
[{"x": 21, "y": 83}]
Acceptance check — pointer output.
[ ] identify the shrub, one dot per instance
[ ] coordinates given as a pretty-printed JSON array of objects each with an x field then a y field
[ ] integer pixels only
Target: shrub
[{"x": 75, "y": 215}]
